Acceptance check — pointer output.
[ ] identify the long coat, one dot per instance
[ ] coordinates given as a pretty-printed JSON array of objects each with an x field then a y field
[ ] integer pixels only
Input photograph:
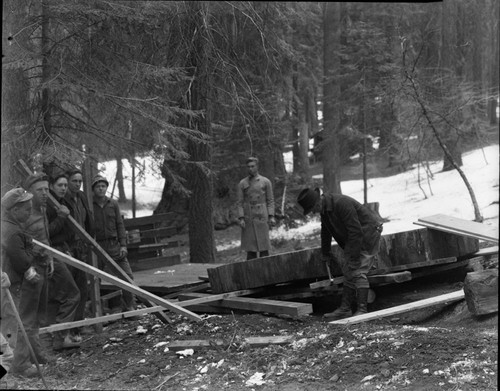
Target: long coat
[{"x": 255, "y": 204}]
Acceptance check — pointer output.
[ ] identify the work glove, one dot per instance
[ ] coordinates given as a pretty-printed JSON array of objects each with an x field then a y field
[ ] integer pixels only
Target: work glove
[
  {"x": 123, "y": 252},
  {"x": 327, "y": 258}
]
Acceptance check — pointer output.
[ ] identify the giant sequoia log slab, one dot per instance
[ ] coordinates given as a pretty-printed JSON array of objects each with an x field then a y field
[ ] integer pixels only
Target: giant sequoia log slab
[{"x": 398, "y": 252}]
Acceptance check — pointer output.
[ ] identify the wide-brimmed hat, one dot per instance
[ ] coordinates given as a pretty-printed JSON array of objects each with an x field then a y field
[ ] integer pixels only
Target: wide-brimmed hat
[
  {"x": 97, "y": 179},
  {"x": 308, "y": 198},
  {"x": 15, "y": 196}
]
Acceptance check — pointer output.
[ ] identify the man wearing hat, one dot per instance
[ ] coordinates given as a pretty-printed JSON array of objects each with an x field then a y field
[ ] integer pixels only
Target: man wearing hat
[
  {"x": 111, "y": 236},
  {"x": 357, "y": 231},
  {"x": 255, "y": 204},
  {"x": 27, "y": 272}
]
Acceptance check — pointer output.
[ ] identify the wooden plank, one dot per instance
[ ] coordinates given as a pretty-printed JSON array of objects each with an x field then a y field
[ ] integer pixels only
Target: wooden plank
[
  {"x": 148, "y": 220},
  {"x": 446, "y": 298},
  {"x": 201, "y": 298},
  {"x": 100, "y": 319},
  {"x": 481, "y": 292},
  {"x": 438, "y": 269},
  {"x": 415, "y": 265},
  {"x": 116, "y": 281},
  {"x": 399, "y": 252},
  {"x": 486, "y": 251},
  {"x": 212, "y": 343},
  {"x": 390, "y": 278},
  {"x": 198, "y": 288},
  {"x": 460, "y": 226},
  {"x": 376, "y": 280},
  {"x": 154, "y": 262},
  {"x": 255, "y": 304}
]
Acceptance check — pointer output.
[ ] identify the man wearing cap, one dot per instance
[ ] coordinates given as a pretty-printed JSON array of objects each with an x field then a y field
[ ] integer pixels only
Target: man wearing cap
[
  {"x": 27, "y": 272},
  {"x": 80, "y": 210},
  {"x": 255, "y": 204},
  {"x": 111, "y": 236},
  {"x": 64, "y": 295},
  {"x": 357, "y": 231}
]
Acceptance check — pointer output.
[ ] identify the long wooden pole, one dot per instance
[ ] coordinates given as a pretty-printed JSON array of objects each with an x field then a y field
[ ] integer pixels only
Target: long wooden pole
[
  {"x": 116, "y": 281},
  {"x": 25, "y": 336},
  {"x": 24, "y": 169}
]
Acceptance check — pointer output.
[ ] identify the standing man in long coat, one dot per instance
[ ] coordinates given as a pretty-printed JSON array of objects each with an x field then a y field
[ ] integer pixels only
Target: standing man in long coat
[{"x": 255, "y": 211}]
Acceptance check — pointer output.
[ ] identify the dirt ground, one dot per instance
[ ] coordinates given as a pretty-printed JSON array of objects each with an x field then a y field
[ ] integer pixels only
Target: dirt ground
[{"x": 437, "y": 348}]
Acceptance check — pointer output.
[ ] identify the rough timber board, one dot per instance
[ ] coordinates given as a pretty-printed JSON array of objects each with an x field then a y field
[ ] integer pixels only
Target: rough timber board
[
  {"x": 170, "y": 279},
  {"x": 446, "y": 298},
  {"x": 254, "y": 304},
  {"x": 398, "y": 252},
  {"x": 460, "y": 226}
]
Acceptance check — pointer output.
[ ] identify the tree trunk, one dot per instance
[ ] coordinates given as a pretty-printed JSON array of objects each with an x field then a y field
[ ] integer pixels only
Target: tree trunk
[
  {"x": 201, "y": 226},
  {"x": 119, "y": 180},
  {"x": 331, "y": 97},
  {"x": 303, "y": 138},
  {"x": 16, "y": 122}
]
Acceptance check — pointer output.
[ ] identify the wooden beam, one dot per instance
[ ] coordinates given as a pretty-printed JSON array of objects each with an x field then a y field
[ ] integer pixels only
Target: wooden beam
[
  {"x": 98, "y": 250},
  {"x": 101, "y": 319},
  {"x": 202, "y": 298},
  {"x": 117, "y": 281},
  {"x": 481, "y": 292},
  {"x": 211, "y": 343},
  {"x": 446, "y": 298},
  {"x": 458, "y": 226},
  {"x": 376, "y": 280},
  {"x": 254, "y": 304}
]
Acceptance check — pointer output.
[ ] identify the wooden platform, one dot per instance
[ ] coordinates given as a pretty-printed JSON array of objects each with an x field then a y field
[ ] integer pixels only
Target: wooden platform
[
  {"x": 398, "y": 252},
  {"x": 458, "y": 226},
  {"x": 169, "y": 279}
]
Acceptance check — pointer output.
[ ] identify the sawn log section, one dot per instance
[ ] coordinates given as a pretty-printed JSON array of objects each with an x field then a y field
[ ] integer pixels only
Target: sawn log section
[{"x": 398, "y": 252}]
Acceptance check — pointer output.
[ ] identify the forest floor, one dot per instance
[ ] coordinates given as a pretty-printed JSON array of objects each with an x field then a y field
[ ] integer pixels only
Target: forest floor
[{"x": 442, "y": 347}]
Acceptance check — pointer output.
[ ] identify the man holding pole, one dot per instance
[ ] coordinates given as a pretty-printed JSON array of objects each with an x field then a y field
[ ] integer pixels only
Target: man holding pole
[{"x": 27, "y": 272}]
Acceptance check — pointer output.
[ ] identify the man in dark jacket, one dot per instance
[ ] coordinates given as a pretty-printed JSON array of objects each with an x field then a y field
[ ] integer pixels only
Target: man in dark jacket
[
  {"x": 64, "y": 295},
  {"x": 111, "y": 236},
  {"x": 80, "y": 210},
  {"x": 27, "y": 272},
  {"x": 357, "y": 231}
]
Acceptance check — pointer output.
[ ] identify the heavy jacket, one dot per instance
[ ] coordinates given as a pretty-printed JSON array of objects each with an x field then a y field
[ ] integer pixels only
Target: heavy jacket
[
  {"x": 108, "y": 222},
  {"x": 60, "y": 231},
  {"x": 17, "y": 249},
  {"x": 352, "y": 225},
  {"x": 255, "y": 204},
  {"x": 80, "y": 210}
]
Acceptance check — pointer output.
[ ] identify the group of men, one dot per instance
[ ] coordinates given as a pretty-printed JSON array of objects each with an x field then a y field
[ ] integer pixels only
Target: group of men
[
  {"x": 47, "y": 291},
  {"x": 44, "y": 289}
]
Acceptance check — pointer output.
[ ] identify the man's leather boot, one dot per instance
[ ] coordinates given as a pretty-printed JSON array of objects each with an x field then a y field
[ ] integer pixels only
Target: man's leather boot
[
  {"x": 344, "y": 311},
  {"x": 362, "y": 294}
]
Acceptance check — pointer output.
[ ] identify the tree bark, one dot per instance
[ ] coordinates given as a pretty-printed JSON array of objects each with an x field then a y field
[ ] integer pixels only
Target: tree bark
[
  {"x": 200, "y": 214},
  {"x": 331, "y": 97}
]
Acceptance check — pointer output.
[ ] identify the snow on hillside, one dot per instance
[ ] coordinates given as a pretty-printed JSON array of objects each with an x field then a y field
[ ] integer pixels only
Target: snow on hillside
[{"x": 401, "y": 200}]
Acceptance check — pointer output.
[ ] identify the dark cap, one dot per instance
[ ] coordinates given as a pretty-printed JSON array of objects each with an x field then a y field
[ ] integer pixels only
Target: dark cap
[
  {"x": 15, "y": 196},
  {"x": 34, "y": 178},
  {"x": 308, "y": 199},
  {"x": 99, "y": 178}
]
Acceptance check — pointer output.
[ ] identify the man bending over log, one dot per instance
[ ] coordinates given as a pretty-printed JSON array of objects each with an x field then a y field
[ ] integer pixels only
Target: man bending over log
[{"x": 357, "y": 231}]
